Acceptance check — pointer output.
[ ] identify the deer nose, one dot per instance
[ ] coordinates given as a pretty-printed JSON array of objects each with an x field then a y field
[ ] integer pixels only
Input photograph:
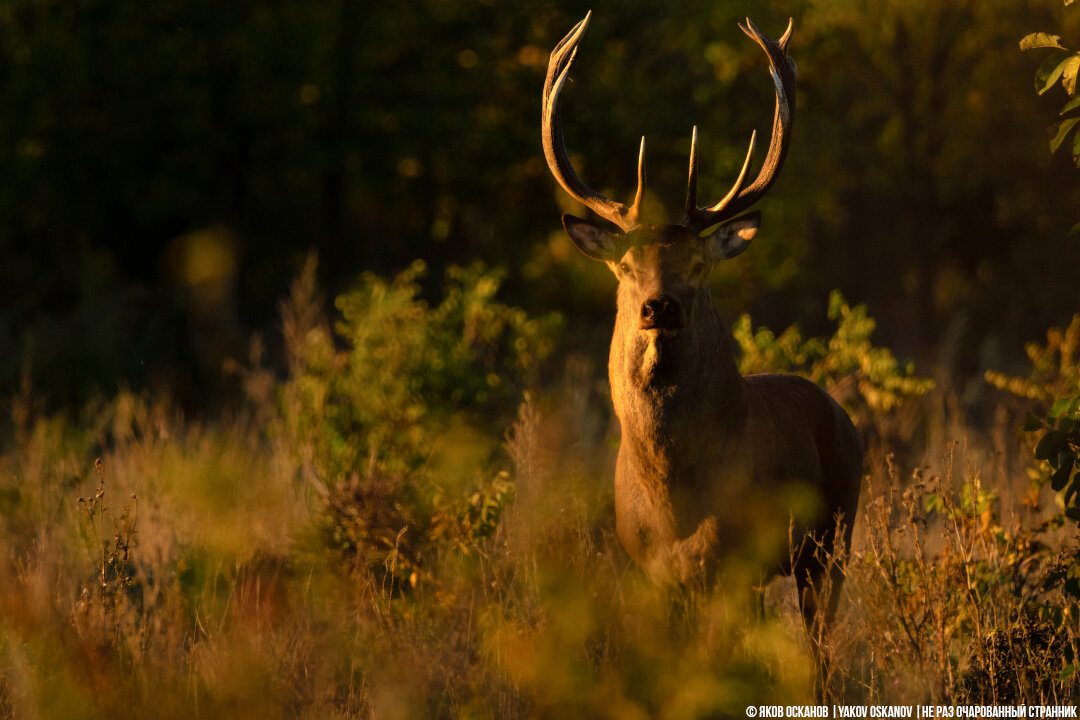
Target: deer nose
[{"x": 662, "y": 311}]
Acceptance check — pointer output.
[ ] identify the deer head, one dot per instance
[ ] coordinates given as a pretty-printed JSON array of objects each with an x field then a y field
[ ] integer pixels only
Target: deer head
[{"x": 662, "y": 268}]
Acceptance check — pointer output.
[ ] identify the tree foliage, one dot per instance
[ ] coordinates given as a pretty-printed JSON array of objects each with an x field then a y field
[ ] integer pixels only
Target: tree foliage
[
  {"x": 1061, "y": 65},
  {"x": 380, "y": 133},
  {"x": 1055, "y": 374}
]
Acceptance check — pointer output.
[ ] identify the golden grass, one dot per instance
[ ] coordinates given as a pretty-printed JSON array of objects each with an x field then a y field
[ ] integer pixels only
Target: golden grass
[{"x": 155, "y": 566}]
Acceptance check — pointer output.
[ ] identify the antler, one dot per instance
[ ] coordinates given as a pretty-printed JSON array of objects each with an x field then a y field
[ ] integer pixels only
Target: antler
[
  {"x": 742, "y": 196},
  {"x": 562, "y": 58}
]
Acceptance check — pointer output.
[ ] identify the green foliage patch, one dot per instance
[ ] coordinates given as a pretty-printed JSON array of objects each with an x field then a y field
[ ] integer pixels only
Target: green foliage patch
[
  {"x": 1054, "y": 382},
  {"x": 881, "y": 381},
  {"x": 397, "y": 414},
  {"x": 1062, "y": 65}
]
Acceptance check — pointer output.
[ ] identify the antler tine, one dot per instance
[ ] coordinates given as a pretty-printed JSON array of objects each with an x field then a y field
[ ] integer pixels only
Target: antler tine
[
  {"x": 782, "y": 70},
  {"x": 565, "y": 46},
  {"x": 637, "y": 209},
  {"x": 786, "y": 37},
  {"x": 562, "y": 59},
  {"x": 691, "y": 182},
  {"x": 701, "y": 218}
]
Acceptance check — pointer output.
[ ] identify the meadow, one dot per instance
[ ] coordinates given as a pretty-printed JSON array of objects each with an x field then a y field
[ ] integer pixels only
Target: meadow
[
  {"x": 416, "y": 521},
  {"x": 304, "y": 409}
]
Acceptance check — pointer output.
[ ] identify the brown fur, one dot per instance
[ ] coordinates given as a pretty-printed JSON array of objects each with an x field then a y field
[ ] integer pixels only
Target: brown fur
[
  {"x": 708, "y": 457},
  {"x": 710, "y": 462}
]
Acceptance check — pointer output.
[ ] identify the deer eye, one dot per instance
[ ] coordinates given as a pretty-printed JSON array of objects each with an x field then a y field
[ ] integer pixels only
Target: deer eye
[{"x": 625, "y": 267}]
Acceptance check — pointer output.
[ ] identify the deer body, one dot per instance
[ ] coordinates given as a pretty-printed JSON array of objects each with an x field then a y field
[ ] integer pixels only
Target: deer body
[
  {"x": 705, "y": 453},
  {"x": 710, "y": 462}
]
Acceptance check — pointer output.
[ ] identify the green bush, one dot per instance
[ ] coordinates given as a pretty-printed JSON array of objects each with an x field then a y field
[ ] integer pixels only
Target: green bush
[
  {"x": 880, "y": 381},
  {"x": 1054, "y": 383},
  {"x": 398, "y": 417}
]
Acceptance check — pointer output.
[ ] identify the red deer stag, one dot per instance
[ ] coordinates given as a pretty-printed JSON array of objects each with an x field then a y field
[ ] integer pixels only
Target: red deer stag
[{"x": 709, "y": 460}]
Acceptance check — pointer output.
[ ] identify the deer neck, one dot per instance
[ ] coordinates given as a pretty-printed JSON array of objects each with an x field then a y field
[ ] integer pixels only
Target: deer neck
[{"x": 667, "y": 393}]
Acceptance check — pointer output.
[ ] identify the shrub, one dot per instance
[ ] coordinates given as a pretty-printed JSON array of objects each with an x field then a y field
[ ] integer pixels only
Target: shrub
[
  {"x": 1054, "y": 385},
  {"x": 881, "y": 382},
  {"x": 1055, "y": 367},
  {"x": 396, "y": 415},
  {"x": 963, "y": 609}
]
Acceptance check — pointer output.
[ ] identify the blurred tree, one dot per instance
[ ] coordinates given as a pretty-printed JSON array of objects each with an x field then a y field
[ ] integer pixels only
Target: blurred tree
[
  {"x": 937, "y": 194},
  {"x": 379, "y": 133}
]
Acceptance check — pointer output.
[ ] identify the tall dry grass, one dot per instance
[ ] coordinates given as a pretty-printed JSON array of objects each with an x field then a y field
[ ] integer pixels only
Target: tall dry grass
[{"x": 159, "y": 566}]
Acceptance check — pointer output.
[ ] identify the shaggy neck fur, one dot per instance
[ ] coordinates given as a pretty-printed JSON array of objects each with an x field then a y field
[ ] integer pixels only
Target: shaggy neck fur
[{"x": 666, "y": 392}]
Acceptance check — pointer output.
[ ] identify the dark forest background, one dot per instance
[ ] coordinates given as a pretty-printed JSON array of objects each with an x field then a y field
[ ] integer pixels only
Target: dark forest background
[{"x": 166, "y": 167}]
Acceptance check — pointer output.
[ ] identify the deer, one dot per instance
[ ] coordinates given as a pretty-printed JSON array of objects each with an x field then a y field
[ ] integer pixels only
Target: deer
[{"x": 707, "y": 457}]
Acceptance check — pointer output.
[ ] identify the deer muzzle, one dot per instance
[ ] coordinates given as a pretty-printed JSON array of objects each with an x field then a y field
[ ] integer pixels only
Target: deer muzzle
[{"x": 662, "y": 312}]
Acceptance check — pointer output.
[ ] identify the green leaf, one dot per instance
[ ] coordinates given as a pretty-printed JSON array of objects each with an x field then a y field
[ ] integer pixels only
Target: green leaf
[
  {"x": 1060, "y": 407},
  {"x": 1041, "y": 40},
  {"x": 1068, "y": 74},
  {"x": 1064, "y": 406},
  {"x": 933, "y": 503},
  {"x": 1073, "y": 104},
  {"x": 1060, "y": 131},
  {"x": 1076, "y": 156},
  {"x": 1076, "y": 161},
  {"x": 1069, "y": 670},
  {"x": 1033, "y": 423},
  {"x": 1050, "y": 70}
]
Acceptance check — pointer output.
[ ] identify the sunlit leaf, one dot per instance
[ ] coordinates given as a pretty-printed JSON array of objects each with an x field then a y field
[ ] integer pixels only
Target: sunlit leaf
[
  {"x": 1059, "y": 131},
  {"x": 933, "y": 503},
  {"x": 1050, "y": 70},
  {"x": 1068, "y": 74},
  {"x": 1040, "y": 40}
]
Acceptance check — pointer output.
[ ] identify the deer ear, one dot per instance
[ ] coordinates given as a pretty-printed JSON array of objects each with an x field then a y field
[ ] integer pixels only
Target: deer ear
[
  {"x": 590, "y": 239},
  {"x": 732, "y": 237}
]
